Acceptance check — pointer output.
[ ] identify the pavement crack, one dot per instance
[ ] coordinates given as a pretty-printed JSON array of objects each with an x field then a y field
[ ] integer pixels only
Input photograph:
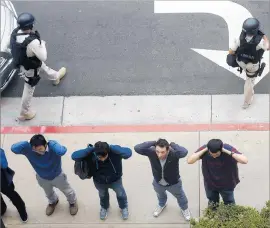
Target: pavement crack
[
  {"x": 211, "y": 113},
  {"x": 62, "y": 115}
]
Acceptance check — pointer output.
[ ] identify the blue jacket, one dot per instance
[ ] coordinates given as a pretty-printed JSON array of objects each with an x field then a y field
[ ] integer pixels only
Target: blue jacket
[
  {"x": 4, "y": 163},
  {"x": 6, "y": 172},
  {"x": 47, "y": 166},
  {"x": 108, "y": 171}
]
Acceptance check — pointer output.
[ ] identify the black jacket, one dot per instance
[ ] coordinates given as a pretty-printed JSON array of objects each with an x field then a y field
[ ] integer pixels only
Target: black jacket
[{"x": 171, "y": 167}]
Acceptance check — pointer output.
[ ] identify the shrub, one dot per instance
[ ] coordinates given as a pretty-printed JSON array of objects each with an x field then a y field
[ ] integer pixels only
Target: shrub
[
  {"x": 234, "y": 216},
  {"x": 265, "y": 213}
]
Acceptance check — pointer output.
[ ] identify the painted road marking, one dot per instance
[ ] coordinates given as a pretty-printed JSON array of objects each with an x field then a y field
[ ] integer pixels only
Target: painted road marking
[
  {"x": 219, "y": 57},
  {"x": 233, "y": 14},
  {"x": 136, "y": 128}
]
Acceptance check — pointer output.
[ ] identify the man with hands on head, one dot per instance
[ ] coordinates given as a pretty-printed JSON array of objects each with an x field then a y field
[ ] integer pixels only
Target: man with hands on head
[
  {"x": 219, "y": 169},
  {"x": 164, "y": 159},
  {"x": 106, "y": 165},
  {"x": 45, "y": 158}
]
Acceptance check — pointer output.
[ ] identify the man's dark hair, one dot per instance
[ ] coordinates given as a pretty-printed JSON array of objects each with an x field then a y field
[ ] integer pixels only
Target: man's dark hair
[
  {"x": 38, "y": 140},
  {"x": 101, "y": 148},
  {"x": 162, "y": 143},
  {"x": 215, "y": 145}
]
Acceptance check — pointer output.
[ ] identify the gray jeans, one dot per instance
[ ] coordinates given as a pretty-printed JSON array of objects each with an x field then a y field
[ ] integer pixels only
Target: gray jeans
[
  {"x": 176, "y": 190},
  {"x": 59, "y": 182}
]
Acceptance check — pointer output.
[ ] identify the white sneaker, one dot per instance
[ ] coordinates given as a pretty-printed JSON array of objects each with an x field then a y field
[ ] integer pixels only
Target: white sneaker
[
  {"x": 158, "y": 210},
  {"x": 186, "y": 213}
]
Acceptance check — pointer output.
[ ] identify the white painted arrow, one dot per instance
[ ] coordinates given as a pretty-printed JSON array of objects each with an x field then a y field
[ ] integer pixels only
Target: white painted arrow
[{"x": 233, "y": 14}]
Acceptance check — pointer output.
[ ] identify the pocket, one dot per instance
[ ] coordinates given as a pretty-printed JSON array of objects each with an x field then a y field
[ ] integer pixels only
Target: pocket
[
  {"x": 39, "y": 180},
  {"x": 63, "y": 177},
  {"x": 60, "y": 181}
]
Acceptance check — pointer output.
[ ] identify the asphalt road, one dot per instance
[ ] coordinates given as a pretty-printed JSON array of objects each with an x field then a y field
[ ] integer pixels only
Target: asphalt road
[{"x": 123, "y": 48}]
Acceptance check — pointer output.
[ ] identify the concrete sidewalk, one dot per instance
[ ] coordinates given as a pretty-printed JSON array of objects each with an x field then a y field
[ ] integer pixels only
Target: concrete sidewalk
[
  {"x": 125, "y": 110},
  {"x": 253, "y": 189}
]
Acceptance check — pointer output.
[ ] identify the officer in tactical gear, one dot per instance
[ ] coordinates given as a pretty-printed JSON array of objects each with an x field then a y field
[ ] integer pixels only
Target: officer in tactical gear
[
  {"x": 29, "y": 55},
  {"x": 246, "y": 54}
]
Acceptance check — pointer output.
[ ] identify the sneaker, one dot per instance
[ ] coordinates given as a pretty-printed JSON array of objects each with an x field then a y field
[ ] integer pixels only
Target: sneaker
[
  {"x": 50, "y": 208},
  {"x": 125, "y": 213},
  {"x": 62, "y": 72},
  {"x": 103, "y": 213},
  {"x": 186, "y": 214},
  {"x": 73, "y": 208},
  {"x": 24, "y": 216},
  {"x": 158, "y": 210}
]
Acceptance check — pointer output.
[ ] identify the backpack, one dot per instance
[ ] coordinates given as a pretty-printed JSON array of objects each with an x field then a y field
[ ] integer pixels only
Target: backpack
[
  {"x": 18, "y": 50},
  {"x": 82, "y": 168}
]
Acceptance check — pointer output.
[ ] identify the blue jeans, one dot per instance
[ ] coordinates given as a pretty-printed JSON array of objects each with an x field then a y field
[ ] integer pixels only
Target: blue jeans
[
  {"x": 176, "y": 190},
  {"x": 213, "y": 196},
  {"x": 117, "y": 187}
]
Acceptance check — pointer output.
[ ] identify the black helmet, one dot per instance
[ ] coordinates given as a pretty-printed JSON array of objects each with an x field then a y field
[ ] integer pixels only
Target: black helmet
[
  {"x": 251, "y": 26},
  {"x": 26, "y": 20}
]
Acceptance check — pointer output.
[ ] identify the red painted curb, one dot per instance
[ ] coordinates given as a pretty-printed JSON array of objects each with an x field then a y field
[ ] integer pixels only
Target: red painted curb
[{"x": 136, "y": 128}]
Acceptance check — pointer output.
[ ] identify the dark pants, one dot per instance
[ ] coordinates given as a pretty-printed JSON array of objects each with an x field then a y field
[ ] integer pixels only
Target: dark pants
[
  {"x": 176, "y": 190},
  {"x": 213, "y": 196},
  {"x": 9, "y": 191},
  {"x": 117, "y": 187},
  {"x": 2, "y": 224}
]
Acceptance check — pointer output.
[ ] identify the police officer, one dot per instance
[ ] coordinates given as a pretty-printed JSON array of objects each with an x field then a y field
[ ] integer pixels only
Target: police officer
[
  {"x": 246, "y": 53},
  {"x": 29, "y": 54}
]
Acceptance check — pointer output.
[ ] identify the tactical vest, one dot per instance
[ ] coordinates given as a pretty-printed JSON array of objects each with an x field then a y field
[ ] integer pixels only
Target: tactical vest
[
  {"x": 18, "y": 50},
  {"x": 247, "y": 52}
]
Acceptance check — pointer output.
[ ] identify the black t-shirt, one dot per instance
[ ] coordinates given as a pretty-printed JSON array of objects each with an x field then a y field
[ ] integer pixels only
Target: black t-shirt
[{"x": 220, "y": 173}]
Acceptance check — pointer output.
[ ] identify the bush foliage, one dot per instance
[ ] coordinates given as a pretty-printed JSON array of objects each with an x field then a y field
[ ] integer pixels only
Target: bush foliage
[{"x": 234, "y": 216}]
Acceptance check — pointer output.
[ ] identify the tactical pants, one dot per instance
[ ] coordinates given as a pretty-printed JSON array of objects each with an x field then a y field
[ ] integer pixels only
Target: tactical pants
[
  {"x": 250, "y": 70},
  {"x": 28, "y": 91}
]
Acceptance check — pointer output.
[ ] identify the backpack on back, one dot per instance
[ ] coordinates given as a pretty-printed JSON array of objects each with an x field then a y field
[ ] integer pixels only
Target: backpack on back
[{"x": 18, "y": 50}]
